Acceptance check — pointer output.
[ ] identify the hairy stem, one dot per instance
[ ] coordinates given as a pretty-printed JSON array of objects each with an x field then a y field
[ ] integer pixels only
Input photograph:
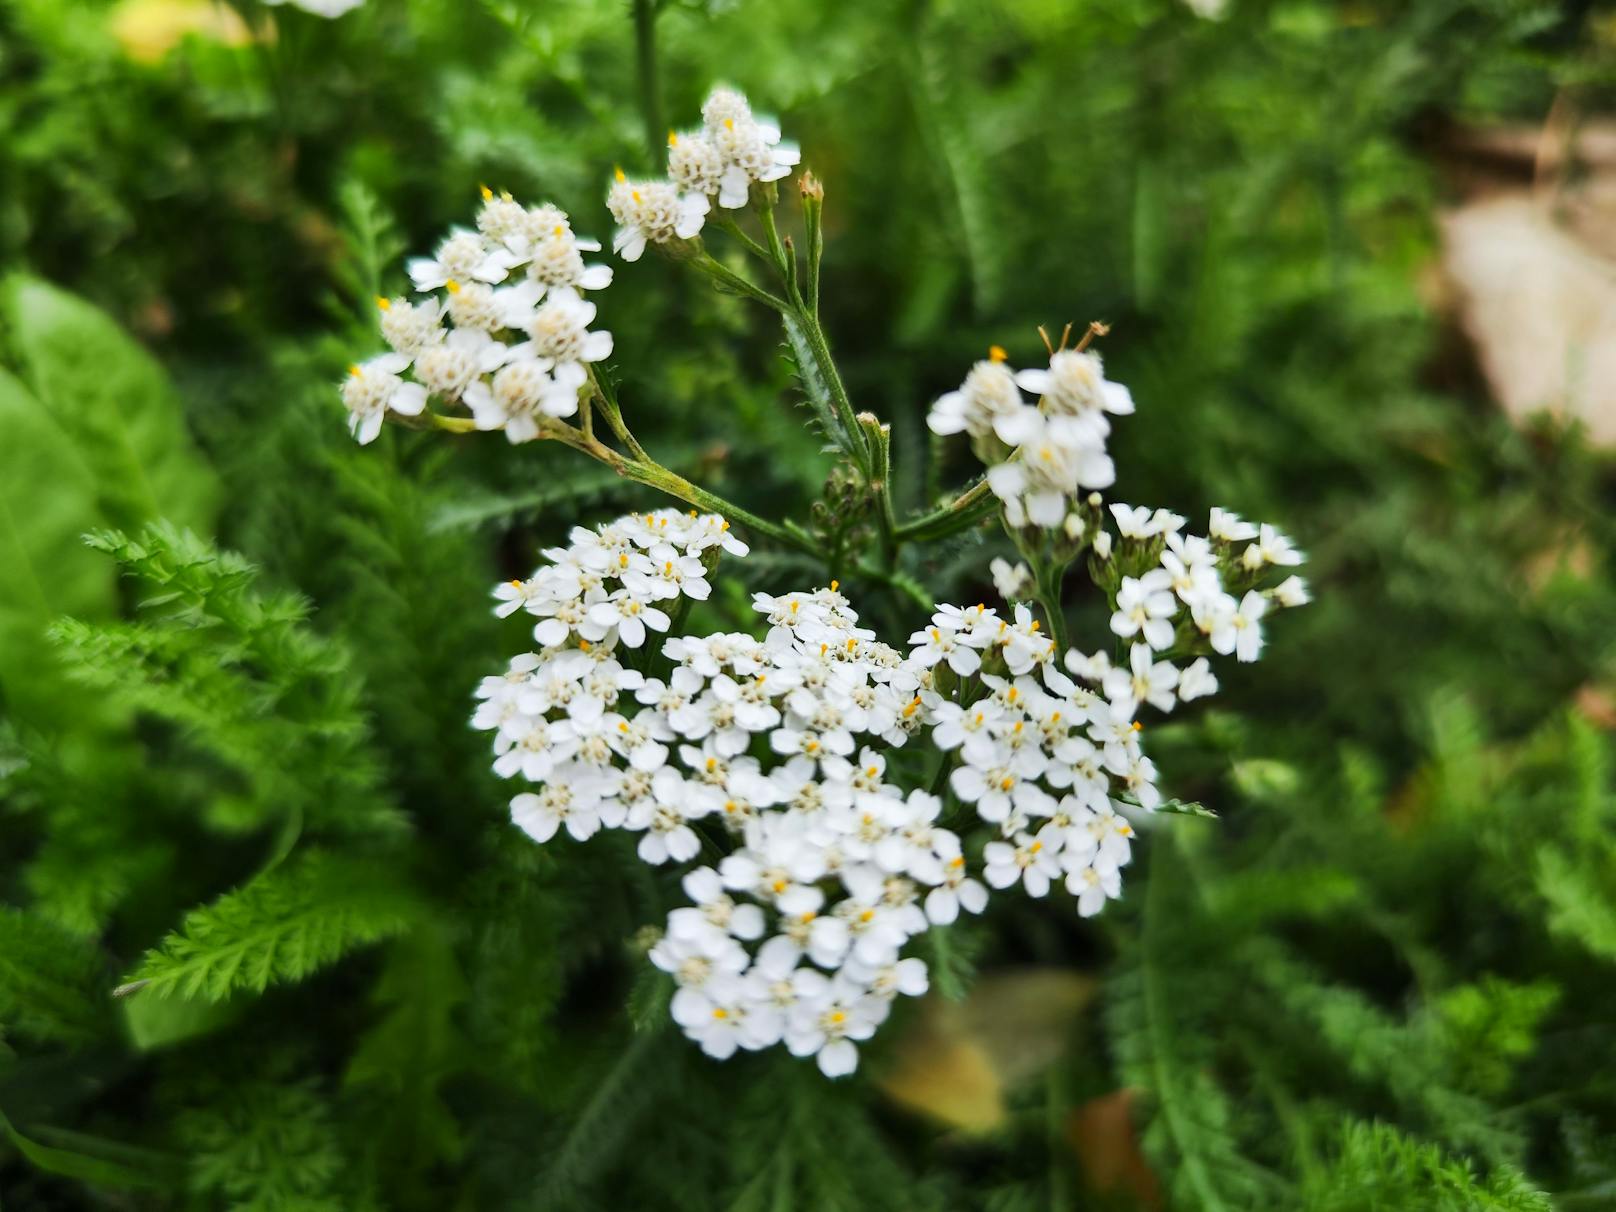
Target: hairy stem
[{"x": 964, "y": 511}]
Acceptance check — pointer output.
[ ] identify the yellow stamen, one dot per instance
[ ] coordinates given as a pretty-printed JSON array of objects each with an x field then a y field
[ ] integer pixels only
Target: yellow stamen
[
  {"x": 996, "y": 353},
  {"x": 720, "y": 1012},
  {"x": 516, "y": 584},
  {"x": 384, "y": 303},
  {"x": 725, "y": 526},
  {"x": 619, "y": 174},
  {"x": 867, "y": 916},
  {"x": 729, "y": 123},
  {"x": 835, "y": 585},
  {"x": 622, "y": 726},
  {"x": 1036, "y": 625},
  {"x": 452, "y": 286},
  {"x": 354, "y": 370},
  {"x": 1137, "y": 726},
  {"x": 673, "y": 138},
  {"x": 872, "y": 771},
  {"x": 1006, "y": 783},
  {"x": 836, "y": 1015},
  {"x": 585, "y": 645},
  {"x": 635, "y": 194},
  {"x": 488, "y": 194},
  {"x": 560, "y": 229}
]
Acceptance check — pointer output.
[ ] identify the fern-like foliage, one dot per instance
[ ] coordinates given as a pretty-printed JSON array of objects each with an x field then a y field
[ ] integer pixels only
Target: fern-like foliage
[
  {"x": 270, "y": 1147},
  {"x": 52, "y": 982},
  {"x": 243, "y": 676},
  {"x": 1377, "y": 1167},
  {"x": 281, "y": 927}
]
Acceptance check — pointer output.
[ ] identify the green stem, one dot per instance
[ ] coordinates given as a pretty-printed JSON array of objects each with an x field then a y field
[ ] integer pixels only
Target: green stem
[
  {"x": 879, "y": 439},
  {"x": 965, "y": 510},
  {"x": 752, "y": 246},
  {"x": 650, "y": 94},
  {"x": 654, "y": 475},
  {"x": 720, "y": 272},
  {"x": 1049, "y": 598},
  {"x": 819, "y": 348}
]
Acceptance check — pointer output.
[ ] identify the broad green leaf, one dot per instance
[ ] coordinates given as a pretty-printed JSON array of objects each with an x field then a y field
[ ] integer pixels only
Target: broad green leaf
[
  {"x": 47, "y": 501},
  {"x": 113, "y": 401}
]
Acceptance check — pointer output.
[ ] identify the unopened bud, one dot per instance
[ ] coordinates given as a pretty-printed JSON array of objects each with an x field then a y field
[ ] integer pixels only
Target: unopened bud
[
  {"x": 1102, "y": 545},
  {"x": 811, "y": 187}
]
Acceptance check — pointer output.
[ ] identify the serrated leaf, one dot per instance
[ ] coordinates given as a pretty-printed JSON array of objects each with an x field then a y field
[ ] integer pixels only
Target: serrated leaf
[
  {"x": 282, "y": 927},
  {"x": 114, "y": 403}
]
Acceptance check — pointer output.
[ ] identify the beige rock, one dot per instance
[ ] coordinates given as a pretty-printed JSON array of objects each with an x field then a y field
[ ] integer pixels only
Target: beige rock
[{"x": 1539, "y": 306}]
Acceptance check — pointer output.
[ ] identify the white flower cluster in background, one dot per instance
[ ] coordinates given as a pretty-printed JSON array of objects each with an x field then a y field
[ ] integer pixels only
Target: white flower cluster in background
[
  {"x": 718, "y": 163},
  {"x": 824, "y": 854},
  {"x": 500, "y": 326},
  {"x": 1042, "y": 458}
]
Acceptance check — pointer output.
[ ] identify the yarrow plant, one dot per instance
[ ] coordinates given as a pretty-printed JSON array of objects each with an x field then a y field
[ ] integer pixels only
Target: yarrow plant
[{"x": 828, "y": 795}]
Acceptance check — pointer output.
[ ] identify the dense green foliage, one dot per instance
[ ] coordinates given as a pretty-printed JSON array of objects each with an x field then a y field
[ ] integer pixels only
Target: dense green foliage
[{"x": 269, "y": 939}]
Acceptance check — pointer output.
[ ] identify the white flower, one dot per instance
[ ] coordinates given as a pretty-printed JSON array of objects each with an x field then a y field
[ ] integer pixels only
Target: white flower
[
  {"x": 1145, "y": 605},
  {"x": 411, "y": 327},
  {"x": 1075, "y": 385},
  {"x": 573, "y": 802},
  {"x": 1093, "y": 885},
  {"x": 629, "y": 614},
  {"x": 988, "y": 393},
  {"x": 652, "y": 212},
  {"x": 826, "y": 1020},
  {"x": 559, "y": 331},
  {"x": 1240, "y": 630},
  {"x": 1196, "y": 680},
  {"x": 556, "y": 262},
  {"x": 749, "y": 147},
  {"x": 1029, "y": 861},
  {"x": 450, "y": 367},
  {"x": 1292, "y": 591},
  {"x": 1011, "y": 580},
  {"x": 464, "y": 256},
  {"x": 1146, "y": 680},
  {"x": 1271, "y": 547},
  {"x": 957, "y": 891},
  {"x": 695, "y": 165},
  {"x": 373, "y": 388},
  {"x": 1227, "y": 527}
]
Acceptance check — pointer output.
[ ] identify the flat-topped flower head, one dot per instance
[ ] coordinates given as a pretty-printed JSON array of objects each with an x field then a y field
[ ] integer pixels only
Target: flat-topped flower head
[
  {"x": 408, "y": 328},
  {"x": 372, "y": 389},
  {"x": 1075, "y": 385},
  {"x": 559, "y": 331},
  {"x": 695, "y": 164},
  {"x": 652, "y": 212},
  {"x": 988, "y": 393},
  {"x": 464, "y": 256}
]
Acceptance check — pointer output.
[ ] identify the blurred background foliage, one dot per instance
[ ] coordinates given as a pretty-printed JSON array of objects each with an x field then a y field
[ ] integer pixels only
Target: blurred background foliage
[{"x": 235, "y": 771}]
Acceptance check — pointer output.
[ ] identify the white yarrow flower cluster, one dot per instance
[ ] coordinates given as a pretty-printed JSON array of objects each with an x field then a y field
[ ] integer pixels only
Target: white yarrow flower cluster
[
  {"x": 720, "y": 162},
  {"x": 503, "y": 330},
  {"x": 1042, "y": 458},
  {"x": 777, "y": 754}
]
